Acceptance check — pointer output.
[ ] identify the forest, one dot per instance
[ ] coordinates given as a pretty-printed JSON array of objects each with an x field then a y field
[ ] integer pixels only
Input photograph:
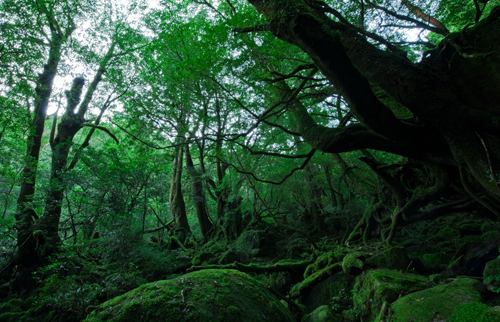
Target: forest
[{"x": 249, "y": 160}]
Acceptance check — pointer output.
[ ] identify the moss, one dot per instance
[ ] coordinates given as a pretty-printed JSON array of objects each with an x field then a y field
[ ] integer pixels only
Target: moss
[
  {"x": 473, "y": 312},
  {"x": 322, "y": 314},
  {"x": 376, "y": 286},
  {"x": 312, "y": 280},
  {"x": 436, "y": 303},
  {"x": 491, "y": 275},
  {"x": 207, "y": 295},
  {"x": 324, "y": 260},
  {"x": 353, "y": 264},
  {"x": 437, "y": 262}
]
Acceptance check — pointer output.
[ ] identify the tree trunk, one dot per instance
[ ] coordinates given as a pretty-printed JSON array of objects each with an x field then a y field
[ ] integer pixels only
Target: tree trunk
[
  {"x": 198, "y": 197},
  {"x": 27, "y": 259},
  {"x": 70, "y": 124},
  {"x": 176, "y": 199}
]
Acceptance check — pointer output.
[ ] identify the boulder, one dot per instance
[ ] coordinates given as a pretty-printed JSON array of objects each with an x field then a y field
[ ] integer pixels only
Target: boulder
[
  {"x": 322, "y": 314},
  {"x": 437, "y": 303},
  {"x": 353, "y": 263},
  {"x": 491, "y": 275},
  {"x": 209, "y": 295},
  {"x": 374, "y": 287}
]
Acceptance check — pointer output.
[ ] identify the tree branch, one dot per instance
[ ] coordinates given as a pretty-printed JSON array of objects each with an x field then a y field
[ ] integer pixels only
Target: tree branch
[
  {"x": 251, "y": 29},
  {"x": 103, "y": 129}
]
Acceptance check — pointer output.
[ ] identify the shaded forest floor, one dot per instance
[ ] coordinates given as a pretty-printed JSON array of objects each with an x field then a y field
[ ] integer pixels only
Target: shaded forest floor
[{"x": 444, "y": 270}]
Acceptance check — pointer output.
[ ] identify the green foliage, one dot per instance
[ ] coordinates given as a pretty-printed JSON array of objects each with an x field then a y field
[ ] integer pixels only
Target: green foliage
[{"x": 66, "y": 289}]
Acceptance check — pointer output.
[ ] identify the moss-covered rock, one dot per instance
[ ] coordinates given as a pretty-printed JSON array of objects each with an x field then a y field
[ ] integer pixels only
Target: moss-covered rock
[
  {"x": 353, "y": 263},
  {"x": 474, "y": 312},
  {"x": 392, "y": 258},
  {"x": 375, "y": 287},
  {"x": 335, "y": 287},
  {"x": 491, "y": 275},
  {"x": 437, "y": 262},
  {"x": 207, "y": 295},
  {"x": 436, "y": 303},
  {"x": 322, "y": 314}
]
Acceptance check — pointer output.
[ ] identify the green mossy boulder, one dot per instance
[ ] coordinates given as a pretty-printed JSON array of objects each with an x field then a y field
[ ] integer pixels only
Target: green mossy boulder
[
  {"x": 208, "y": 295},
  {"x": 353, "y": 263},
  {"x": 474, "y": 312},
  {"x": 375, "y": 287},
  {"x": 491, "y": 275},
  {"x": 322, "y": 314},
  {"x": 437, "y": 262},
  {"x": 437, "y": 303},
  {"x": 392, "y": 258}
]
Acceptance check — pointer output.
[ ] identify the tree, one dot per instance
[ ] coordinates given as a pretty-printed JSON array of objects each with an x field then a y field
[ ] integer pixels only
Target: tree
[{"x": 452, "y": 95}]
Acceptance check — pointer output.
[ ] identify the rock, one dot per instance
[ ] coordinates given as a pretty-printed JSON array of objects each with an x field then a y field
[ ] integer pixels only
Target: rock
[
  {"x": 322, "y": 314},
  {"x": 392, "y": 258},
  {"x": 491, "y": 275},
  {"x": 438, "y": 262},
  {"x": 353, "y": 263},
  {"x": 474, "y": 312},
  {"x": 208, "y": 295},
  {"x": 472, "y": 257},
  {"x": 375, "y": 287},
  {"x": 336, "y": 286},
  {"x": 437, "y": 303}
]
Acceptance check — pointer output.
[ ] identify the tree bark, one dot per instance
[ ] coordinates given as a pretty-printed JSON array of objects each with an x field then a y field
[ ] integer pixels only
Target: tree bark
[
  {"x": 198, "y": 197},
  {"x": 27, "y": 259},
  {"x": 176, "y": 199},
  {"x": 70, "y": 124}
]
